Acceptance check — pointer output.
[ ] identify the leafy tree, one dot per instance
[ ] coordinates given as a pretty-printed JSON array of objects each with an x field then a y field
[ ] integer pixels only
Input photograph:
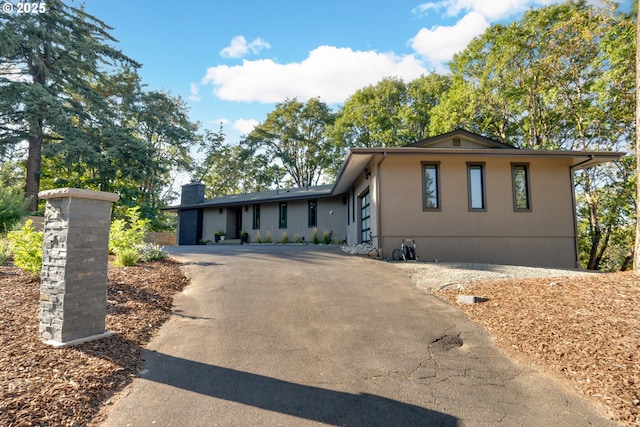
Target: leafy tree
[
  {"x": 50, "y": 64},
  {"x": 293, "y": 136},
  {"x": 13, "y": 206}
]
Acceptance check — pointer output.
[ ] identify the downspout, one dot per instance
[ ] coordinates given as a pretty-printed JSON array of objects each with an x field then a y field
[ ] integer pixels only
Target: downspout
[
  {"x": 572, "y": 170},
  {"x": 378, "y": 207}
]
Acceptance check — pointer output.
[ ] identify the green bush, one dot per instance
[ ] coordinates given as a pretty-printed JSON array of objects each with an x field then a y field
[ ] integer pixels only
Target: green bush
[
  {"x": 13, "y": 206},
  {"x": 151, "y": 252},
  {"x": 267, "y": 238},
  {"x": 285, "y": 237},
  {"x": 4, "y": 251},
  {"x": 25, "y": 245},
  {"x": 314, "y": 237},
  {"x": 297, "y": 238},
  {"x": 326, "y": 237},
  {"x": 128, "y": 234},
  {"x": 258, "y": 237},
  {"x": 127, "y": 257}
]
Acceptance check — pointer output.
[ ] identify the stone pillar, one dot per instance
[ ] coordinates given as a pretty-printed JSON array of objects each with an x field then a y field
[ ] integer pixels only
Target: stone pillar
[{"x": 73, "y": 283}]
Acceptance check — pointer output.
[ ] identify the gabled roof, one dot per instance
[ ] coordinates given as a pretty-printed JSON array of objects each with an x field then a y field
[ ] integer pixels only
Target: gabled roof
[
  {"x": 278, "y": 195},
  {"x": 478, "y": 141}
]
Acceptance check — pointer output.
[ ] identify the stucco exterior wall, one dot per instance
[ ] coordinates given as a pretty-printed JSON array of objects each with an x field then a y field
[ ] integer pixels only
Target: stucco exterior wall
[
  {"x": 545, "y": 236},
  {"x": 212, "y": 221},
  {"x": 331, "y": 217}
]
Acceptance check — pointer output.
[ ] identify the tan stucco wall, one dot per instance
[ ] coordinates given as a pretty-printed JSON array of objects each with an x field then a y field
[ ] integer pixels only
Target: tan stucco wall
[{"x": 545, "y": 236}]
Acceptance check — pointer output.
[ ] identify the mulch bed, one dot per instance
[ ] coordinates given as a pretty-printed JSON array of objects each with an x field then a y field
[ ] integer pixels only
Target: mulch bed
[
  {"x": 43, "y": 386},
  {"x": 585, "y": 329}
]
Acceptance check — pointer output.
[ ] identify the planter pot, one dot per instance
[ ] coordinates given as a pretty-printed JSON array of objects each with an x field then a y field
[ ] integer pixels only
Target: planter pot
[
  {"x": 216, "y": 238},
  {"x": 244, "y": 238}
]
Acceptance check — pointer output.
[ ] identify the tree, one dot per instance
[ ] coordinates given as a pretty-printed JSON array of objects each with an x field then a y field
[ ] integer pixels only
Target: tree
[
  {"x": 47, "y": 61},
  {"x": 293, "y": 137},
  {"x": 636, "y": 261}
]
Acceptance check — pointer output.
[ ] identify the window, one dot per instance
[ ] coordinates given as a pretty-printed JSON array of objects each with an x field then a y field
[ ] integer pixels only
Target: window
[
  {"x": 365, "y": 218},
  {"x": 520, "y": 179},
  {"x": 476, "y": 183},
  {"x": 313, "y": 213},
  {"x": 256, "y": 217},
  {"x": 282, "y": 220},
  {"x": 430, "y": 186}
]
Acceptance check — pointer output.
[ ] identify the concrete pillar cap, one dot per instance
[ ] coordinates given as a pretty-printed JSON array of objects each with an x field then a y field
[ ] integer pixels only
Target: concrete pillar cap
[{"x": 79, "y": 193}]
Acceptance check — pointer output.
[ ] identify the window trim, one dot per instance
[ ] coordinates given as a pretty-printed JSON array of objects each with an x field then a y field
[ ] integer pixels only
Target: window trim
[
  {"x": 314, "y": 223},
  {"x": 282, "y": 219},
  {"x": 255, "y": 220},
  {"x": 471, "y": 166},
  {"x": 438, "y": 208},
  {"x": 527, "y": 172}
]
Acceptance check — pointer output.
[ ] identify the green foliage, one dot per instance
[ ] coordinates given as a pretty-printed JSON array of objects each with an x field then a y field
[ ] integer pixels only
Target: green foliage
[
  {"x": 285, "y": 237},
  {"x": 151, "y": 252},
  {"x": 4, "y": 250},
  {"x": 314, "y": 236},
  {"x": 267, "y": 238},
  {"x": 258, "y": 237},
  {"x": 128, "y": 234},
  {"x": 126, "y": 257},
  {"x": 326, "y": 237},
  {"x": 297, "y": 238},
  {"x": 25, "y": 244},
  {"x": 13, "y": 206}
]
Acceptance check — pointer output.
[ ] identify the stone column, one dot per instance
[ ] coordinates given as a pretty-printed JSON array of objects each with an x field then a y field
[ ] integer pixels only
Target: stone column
[{"x": 73, "y": 283}]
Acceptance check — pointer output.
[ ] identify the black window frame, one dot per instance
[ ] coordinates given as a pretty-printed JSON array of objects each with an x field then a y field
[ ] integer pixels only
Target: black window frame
[
  {"x": 312, "y": 213},
  {"x": 515, "y": 188},
  {"x": 256, "y": 217},
  {"x": 436, "y": 166},
  {"x": 471, "y": 166},
  {"x": 282, "y": 215}
]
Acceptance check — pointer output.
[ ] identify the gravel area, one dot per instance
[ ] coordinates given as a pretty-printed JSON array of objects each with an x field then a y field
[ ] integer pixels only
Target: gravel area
[{"x": 438, "y": 275}]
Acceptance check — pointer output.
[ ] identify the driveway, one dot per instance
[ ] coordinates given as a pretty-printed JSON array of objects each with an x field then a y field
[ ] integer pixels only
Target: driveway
[{"x": 303, "y": 335}]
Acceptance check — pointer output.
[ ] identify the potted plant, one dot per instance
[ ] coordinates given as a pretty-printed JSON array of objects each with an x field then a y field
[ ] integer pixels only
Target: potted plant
[
  {"x": 244, "y": 237},
  {"x": 219, "y": 235}
]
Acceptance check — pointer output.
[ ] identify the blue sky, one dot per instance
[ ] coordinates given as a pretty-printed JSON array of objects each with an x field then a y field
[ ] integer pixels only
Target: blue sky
[{"x": 231, "y": 61}]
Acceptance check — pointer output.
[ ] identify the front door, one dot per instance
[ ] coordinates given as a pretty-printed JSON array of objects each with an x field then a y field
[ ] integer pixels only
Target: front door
[{"x": 365, "y": 218}]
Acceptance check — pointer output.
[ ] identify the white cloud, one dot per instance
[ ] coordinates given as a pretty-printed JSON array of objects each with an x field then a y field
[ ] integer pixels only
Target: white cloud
[
  {"x": 245, "y": 126},
  {"x": 438, "y": 44},
  {"x": 492, "y": 10},
  {"x": 239, "y": 47},
  {"x": 328, "y": 72},
  {"x": 195, "y": 90}
]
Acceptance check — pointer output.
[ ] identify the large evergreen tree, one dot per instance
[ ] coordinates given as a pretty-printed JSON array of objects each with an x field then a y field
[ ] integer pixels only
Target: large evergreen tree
[{"x": 51, "y": 64}]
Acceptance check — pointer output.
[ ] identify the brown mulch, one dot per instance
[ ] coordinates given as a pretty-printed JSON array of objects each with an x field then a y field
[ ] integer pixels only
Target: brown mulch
[
  {"x": 43, "y": 386},
  {"x": 585, "y": 329}
]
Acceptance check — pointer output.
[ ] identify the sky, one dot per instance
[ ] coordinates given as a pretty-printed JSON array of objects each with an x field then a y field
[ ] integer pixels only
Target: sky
[{"x": 233, "y": 60}]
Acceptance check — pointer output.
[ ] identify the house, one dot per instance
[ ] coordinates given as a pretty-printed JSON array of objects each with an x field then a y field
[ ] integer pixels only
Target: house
[{"x": 460, "y": 196}]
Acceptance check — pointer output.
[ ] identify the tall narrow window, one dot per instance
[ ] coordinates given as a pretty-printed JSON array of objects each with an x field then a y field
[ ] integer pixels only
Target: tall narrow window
[
  {"x": 282, "y": 220},
  {"x": 313, "y": 213},
  {"x": 521, "y": 196},
  {"x": 430, "y": 186},
  {"x": 477, "y": 199},
  {"x": 365, "y": 218},
  {"x": 256, "y": 217}
]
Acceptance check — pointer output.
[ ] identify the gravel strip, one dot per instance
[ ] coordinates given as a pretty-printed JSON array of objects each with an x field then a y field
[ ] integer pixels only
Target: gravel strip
[{"x": 430, "y": 275}]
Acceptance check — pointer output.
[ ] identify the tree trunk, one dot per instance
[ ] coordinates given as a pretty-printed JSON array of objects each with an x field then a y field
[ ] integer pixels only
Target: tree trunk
[
  {"x": 627, "y": 261},
  {"x": 636, "y": 262},
  {"x": 34, "y": 163}
]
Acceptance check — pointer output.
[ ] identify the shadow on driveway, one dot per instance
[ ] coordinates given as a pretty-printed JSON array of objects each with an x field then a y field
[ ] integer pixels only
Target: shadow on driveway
[{"x": 311, "y": 403}]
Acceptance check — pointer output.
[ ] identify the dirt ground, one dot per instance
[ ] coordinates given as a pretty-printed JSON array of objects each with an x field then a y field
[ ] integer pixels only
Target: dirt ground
[{"x": 583, "y": 329}]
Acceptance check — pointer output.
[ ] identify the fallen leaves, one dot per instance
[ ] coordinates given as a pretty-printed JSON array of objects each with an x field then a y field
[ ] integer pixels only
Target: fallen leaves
[
  {"x": 40, "y": 385},
  {"x": 585, "y": 328}
]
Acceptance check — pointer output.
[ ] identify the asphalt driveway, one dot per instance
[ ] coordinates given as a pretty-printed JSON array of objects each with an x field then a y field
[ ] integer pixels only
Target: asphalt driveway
[{"x": 303, "y": 335}]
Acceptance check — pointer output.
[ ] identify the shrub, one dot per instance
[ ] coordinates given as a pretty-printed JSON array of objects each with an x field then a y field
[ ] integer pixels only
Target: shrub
[
  {"x": 258, "y": 237},
  {"x": 267, "y": 238},
  {"x": 297, "y": 238},
  {"x": 127, "y": 257},
  {"x": 314, "y": 238},
  {"x": 285, "y": 237},
  {"x": 13, "y": 206},
  {"x": 326, "y": 237},
  {"x": 151, "y": 252},
  {"x": 4, "y": 251},
  {"x": 25, "y": 244},
  {"x": 128, "y": 234}
]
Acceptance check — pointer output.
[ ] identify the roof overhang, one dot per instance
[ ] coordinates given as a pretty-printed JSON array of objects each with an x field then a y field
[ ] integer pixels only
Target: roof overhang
[{"x": 357, "y": 158}]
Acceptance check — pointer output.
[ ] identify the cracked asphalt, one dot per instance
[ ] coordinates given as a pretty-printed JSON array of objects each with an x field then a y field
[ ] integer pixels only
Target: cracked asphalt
[{"x": 303, "y": 335}]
